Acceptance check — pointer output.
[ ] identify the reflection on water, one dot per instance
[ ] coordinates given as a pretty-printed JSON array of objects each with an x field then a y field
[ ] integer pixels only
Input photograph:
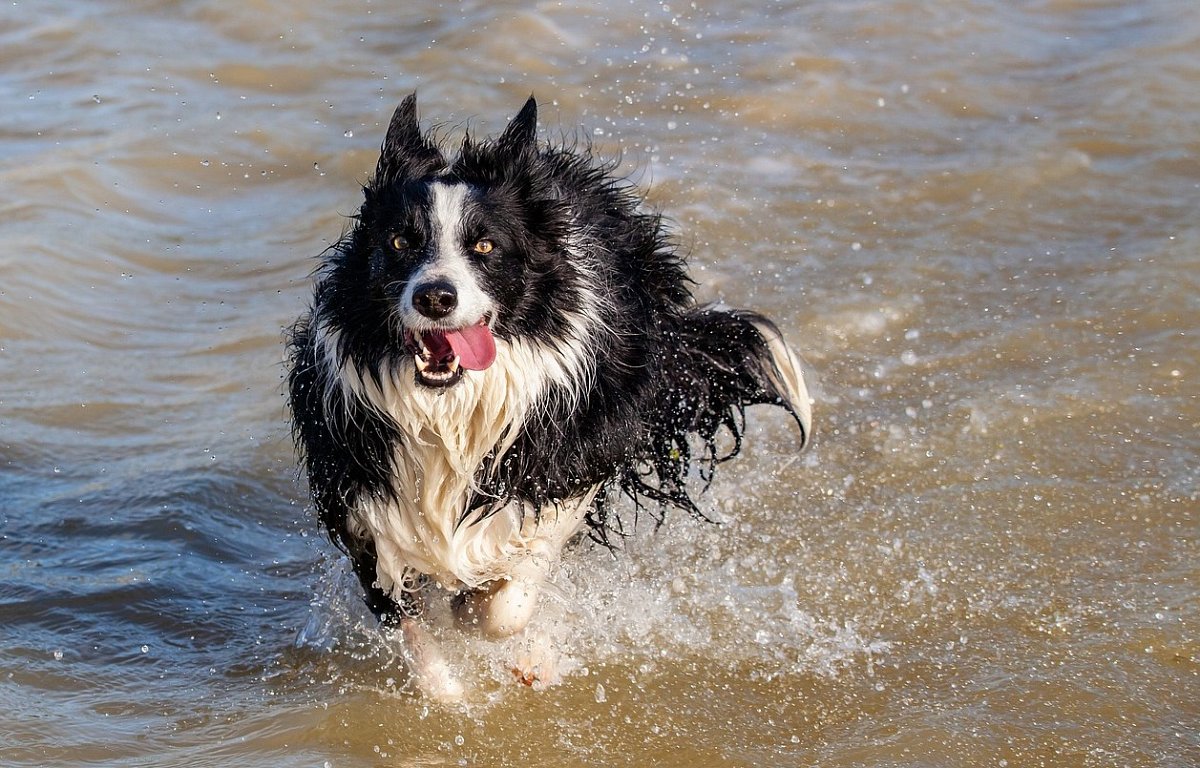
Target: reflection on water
[{"x": 976, "y": 221}]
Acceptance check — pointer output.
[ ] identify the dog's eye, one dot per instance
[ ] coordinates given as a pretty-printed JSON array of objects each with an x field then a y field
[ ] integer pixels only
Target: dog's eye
[
  {"x": 398, "y": 243},
  {"x": 484, "y": 247}
]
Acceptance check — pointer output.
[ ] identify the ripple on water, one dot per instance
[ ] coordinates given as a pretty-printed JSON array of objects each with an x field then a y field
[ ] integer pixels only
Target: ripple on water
[{"x": 979, "y": 228}]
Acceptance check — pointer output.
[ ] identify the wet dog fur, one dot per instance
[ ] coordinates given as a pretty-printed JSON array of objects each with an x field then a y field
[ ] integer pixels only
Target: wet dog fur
[{"x": 503, "y": 340}]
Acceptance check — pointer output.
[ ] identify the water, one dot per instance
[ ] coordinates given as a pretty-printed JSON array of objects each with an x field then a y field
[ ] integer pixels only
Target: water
[{"x": 976, "y": 220}]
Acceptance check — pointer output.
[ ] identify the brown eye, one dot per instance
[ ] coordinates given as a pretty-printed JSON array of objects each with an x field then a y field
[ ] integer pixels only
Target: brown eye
[
  {"x": 398, "y": 243},
  {"x": 484, "y": 247}
]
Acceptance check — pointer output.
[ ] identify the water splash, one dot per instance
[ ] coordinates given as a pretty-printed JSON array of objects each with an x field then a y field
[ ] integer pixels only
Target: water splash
[{"x": 689, "y": 590}]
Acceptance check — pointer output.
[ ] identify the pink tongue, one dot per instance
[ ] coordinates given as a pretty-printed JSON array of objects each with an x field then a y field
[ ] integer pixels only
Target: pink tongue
[{"x": 474, "y": 346}]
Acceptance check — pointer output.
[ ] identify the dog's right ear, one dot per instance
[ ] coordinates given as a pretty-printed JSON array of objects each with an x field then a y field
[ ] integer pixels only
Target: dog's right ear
[{"x": 405, "y": 152}]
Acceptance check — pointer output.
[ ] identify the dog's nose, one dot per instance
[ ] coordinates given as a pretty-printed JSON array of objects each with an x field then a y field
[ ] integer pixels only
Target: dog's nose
[{"x": 435, "y": 300}]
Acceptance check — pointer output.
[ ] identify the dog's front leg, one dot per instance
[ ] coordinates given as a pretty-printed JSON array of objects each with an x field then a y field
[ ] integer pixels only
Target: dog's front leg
[
  {"x": 505, "y": 606},
  {"x": 430, "y": 670}
]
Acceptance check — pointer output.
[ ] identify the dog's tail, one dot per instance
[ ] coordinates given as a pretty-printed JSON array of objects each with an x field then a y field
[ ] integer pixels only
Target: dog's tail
[
  {"x": 727, "y": 359},
  {"x": 717, "y": 361}
]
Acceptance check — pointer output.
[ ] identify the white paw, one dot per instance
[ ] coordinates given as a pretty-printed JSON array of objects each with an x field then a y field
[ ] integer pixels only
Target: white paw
[{"x": 538, "y": 663}]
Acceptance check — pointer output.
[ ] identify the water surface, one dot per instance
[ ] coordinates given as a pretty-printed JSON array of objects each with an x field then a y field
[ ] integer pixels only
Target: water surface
[{"x": 976, "y": 220}]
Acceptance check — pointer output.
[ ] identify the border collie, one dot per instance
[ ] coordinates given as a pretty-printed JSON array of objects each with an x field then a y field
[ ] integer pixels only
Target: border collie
[{"x": 502, "y": 341}]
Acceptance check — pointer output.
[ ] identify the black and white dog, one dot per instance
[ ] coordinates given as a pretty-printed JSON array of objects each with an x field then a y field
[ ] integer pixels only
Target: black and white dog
[{"x": 502, "y": 341}]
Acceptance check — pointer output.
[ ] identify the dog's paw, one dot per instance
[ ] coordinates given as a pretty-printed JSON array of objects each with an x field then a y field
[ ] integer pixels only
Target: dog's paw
[{"x": 538, "y": 664}]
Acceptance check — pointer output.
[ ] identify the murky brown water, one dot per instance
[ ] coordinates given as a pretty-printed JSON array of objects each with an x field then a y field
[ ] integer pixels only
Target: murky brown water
[{"x": 979, "y": 221}]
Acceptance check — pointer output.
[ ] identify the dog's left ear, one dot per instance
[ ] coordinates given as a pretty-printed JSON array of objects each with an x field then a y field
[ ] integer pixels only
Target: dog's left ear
[{"x": 521, "y": 132}]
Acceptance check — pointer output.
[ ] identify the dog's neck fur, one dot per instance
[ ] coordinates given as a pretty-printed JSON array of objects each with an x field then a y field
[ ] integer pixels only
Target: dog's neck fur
[{"x": 445, "y": 436}]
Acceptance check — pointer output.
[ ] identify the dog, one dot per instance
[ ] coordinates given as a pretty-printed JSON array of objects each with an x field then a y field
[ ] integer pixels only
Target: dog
[{"x": 503, "y": 341}]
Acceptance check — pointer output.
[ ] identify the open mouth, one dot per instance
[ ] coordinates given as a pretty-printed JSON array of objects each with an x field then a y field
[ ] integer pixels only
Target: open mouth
[{"x": 441, "y": 355}]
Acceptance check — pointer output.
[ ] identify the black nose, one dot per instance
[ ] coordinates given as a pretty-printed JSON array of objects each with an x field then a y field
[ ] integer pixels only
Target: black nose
[{"x": 435, "y": 300}]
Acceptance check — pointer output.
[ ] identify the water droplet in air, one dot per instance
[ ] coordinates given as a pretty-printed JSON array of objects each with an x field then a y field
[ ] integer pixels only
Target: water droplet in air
[
  {"x": 145, "y": 649},
  {"x": 601, "y": 694},
  {"x": 349, "y": 134}
]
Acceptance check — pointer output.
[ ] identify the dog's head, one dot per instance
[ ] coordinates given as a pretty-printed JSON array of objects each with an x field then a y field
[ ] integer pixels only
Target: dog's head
[{"x": 456, "y": 252}]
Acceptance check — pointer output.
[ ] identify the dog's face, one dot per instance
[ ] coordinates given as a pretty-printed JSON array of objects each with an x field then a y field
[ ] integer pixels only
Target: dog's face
[{"x": 459, "y": 253}]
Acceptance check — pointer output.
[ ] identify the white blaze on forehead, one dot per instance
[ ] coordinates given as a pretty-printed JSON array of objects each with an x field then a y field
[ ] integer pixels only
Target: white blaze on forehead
[
  {"x": 449, "y": 200},
  {"x": 448, "y": 263}
]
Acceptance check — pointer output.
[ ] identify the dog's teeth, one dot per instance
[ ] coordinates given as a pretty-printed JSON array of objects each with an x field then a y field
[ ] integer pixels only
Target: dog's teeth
[
  {"x": 454, "y": 365},
  {"x": 422, "y": 366},
  {"x": 419, "y": 343}
]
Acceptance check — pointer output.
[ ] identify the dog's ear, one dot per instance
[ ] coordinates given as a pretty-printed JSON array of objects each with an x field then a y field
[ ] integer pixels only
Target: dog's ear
[
  {"x": 521, "y": 132},
  {"x": 405, "y": 152}
]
